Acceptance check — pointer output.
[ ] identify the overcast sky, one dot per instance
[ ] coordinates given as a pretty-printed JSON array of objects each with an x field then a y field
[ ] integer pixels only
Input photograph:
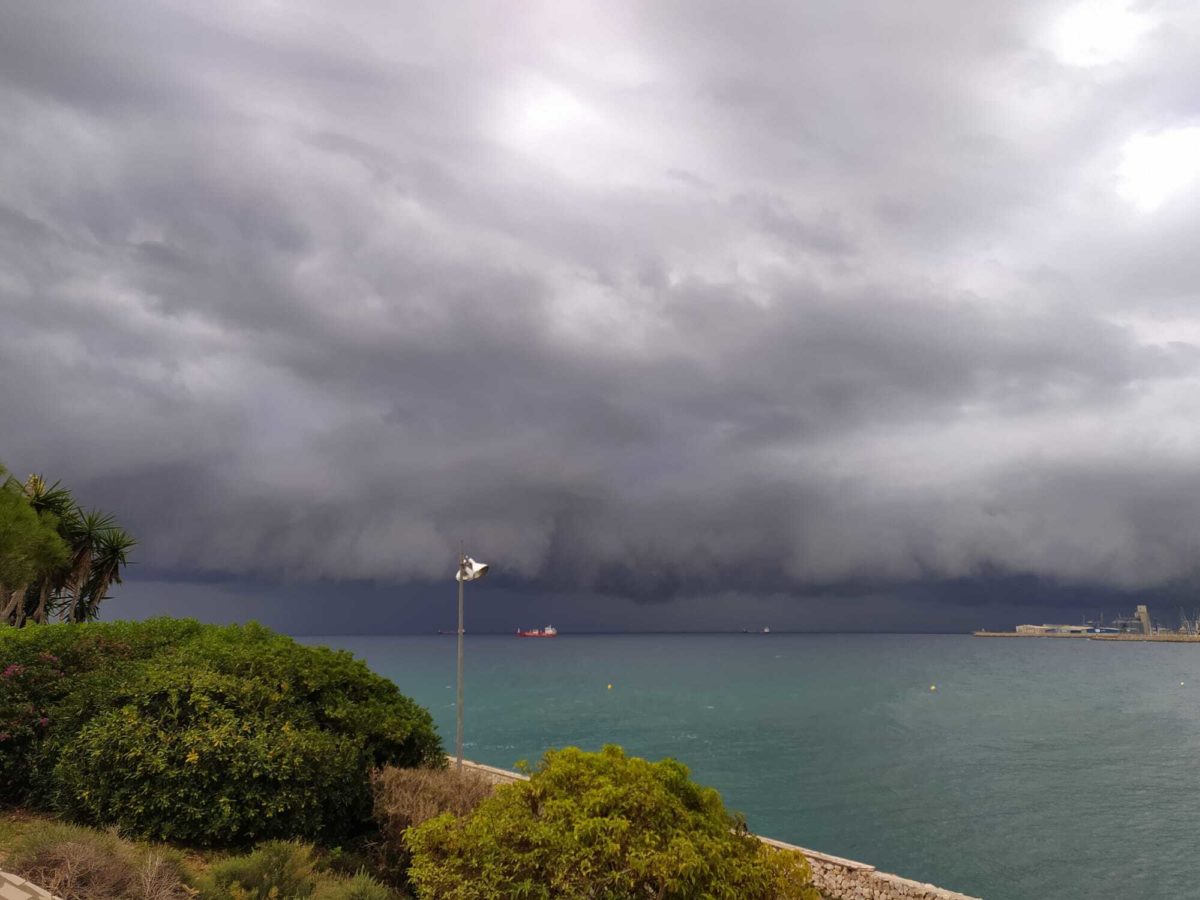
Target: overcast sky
[{"x": 675, "y": 312}]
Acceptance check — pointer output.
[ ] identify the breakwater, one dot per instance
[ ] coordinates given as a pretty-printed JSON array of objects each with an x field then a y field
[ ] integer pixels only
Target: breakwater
[
  {"x": 1156, "y": 638},
  {"x": 834, "y": 877}
]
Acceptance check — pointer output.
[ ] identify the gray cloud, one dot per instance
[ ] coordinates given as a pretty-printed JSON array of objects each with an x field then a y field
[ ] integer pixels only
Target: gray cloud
[{"x": 638, "y": 300}]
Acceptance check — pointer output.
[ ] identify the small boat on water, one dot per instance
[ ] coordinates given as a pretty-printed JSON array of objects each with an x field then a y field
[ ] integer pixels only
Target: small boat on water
[{"x": 548, "y": 631}]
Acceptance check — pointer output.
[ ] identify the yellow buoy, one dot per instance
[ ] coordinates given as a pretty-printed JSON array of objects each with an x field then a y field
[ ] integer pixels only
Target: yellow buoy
[
  {"x": 610, "y": 687},
  {"x": 933, "y": 687}
]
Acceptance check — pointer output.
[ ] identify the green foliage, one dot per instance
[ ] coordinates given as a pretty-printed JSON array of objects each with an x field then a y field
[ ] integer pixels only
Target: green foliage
[
  {"x": 30, "y": 543},
  {"x": 276, "y": 870},
  {"x": 193, "y": 756},
  {"x": 601, "y": 825},
  {"x": 359, "y": 887},
  {"x": 66, "y": 676},
  {"x": 54, "y": 555},
  {"x": 25, "y": 689},
  {"x": 199, "y": 734},
  {"x": 283, "y": 870}
]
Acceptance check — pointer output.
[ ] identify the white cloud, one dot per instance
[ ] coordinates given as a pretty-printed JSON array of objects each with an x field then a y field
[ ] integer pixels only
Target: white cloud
[
  {"x": 1155, "y": 167},
  {"x": 1099, "y": 32}
]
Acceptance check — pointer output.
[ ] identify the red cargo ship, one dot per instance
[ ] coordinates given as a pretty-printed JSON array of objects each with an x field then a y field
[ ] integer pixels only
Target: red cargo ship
[{"x": 548, "y": 631}]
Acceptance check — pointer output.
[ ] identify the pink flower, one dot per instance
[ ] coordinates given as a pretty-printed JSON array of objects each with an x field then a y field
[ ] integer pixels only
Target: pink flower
[
  {"x": 12, "y": 670},
  {"x": 43, "y": 721},
  {"x": 4, "y": 736}
]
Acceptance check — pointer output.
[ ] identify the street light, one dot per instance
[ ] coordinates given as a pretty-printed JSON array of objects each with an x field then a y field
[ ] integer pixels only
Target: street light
[{"x": 468, "y": 570}]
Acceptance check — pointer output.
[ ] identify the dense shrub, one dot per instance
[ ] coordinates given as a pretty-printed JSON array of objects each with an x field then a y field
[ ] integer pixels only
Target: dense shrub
[
  {"x": 188, "y": 759},
  {"x": 81, "y": 864},
  {"x": 601, "y": 825},
  {"x": 359, "y": 887},
  {"x": 201, "y": 734},
  {"x": 408, "y": 797},
  {"x": 275, "y": 870},
  {"x": 26, "y": 690},
  {"x": 59, "y": 677},
  {"x": 284, "y": 870}
]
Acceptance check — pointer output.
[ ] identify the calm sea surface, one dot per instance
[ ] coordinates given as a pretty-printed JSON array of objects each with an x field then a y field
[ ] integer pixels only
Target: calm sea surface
[{"x": 1038, "y": 770}]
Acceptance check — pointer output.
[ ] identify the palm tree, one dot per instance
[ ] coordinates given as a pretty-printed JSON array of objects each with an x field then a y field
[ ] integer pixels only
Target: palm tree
[
  {"x": 52, "y": 499},
  {"x": 85, "y": 531},
  {"x": 79, "y": 557},
  {"x": 109, "y": 558}
]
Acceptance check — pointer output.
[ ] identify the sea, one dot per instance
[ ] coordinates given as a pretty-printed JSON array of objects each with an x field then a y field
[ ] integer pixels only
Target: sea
[{"x": 1020, "y": 769}]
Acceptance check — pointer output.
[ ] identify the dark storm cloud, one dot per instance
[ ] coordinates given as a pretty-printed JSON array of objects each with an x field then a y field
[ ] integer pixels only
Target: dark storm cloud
[{"x": 638, "y": 300}]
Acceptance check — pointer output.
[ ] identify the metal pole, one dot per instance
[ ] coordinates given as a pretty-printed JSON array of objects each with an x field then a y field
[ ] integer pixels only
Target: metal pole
[{"x": 458, "y": 743}]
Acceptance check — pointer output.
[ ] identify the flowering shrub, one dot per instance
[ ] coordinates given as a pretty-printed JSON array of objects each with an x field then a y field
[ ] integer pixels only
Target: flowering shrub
[{"x": 24, "y": 713}]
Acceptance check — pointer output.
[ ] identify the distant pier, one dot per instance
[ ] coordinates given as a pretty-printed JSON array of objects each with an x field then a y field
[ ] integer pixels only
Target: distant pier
[
  {"x": 1138, "y": 627},
  {"x": 1164, "y": 638}
]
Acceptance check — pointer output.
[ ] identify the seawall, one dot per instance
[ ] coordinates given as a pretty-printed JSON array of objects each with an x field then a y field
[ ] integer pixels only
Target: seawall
[
  {"x": 1144, "y": 638},
  {"x": 834, "y": 877}
]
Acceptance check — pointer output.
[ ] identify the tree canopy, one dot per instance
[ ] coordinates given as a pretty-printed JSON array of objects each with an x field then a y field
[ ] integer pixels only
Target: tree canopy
[{"x": 55, "y": 556}]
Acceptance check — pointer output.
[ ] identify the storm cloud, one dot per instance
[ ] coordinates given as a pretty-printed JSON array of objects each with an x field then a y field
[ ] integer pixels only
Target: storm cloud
[{"x": 638, "y": 299}]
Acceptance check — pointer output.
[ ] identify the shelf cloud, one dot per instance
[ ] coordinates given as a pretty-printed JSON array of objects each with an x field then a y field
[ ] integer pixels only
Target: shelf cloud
[{"x": 639, "y": 299}]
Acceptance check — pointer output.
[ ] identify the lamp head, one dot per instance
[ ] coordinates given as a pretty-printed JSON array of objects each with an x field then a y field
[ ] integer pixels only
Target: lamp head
[{"x": 471, "y": 570}]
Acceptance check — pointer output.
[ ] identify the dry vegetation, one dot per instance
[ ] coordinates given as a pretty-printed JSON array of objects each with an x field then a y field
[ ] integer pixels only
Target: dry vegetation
[
  {"x": 408, "y": 797},
  {"x": 81, "y": 864}
]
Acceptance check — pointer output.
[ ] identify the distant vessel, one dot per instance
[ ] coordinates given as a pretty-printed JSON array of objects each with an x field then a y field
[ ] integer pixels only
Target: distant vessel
[
  {"x": 767, "y": 630},
  {"x": 548, "y": 631}
]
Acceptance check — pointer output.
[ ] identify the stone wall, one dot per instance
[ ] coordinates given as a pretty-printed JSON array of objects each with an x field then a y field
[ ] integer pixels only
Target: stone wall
[
  {"x": 846, "y": 879},
  {"x": 834, "y": 877}
]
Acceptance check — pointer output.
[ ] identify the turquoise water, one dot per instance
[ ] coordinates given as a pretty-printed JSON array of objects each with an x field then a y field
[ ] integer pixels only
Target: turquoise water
[{"x": 1038, "y": 770}]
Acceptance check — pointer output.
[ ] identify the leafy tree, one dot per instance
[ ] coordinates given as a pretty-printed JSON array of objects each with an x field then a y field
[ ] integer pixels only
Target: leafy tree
[
  {"x": 602, "y": 825},
  {"x": 72, "y": 574},
  {"x": 31, "y": 547}
]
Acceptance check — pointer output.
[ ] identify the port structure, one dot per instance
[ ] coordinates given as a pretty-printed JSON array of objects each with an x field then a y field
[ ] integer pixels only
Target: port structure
[{"x": 1138, "y": 626}]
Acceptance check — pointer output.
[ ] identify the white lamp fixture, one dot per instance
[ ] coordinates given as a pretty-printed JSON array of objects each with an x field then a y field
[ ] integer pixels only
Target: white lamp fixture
[{"x": 468, "y": 570}]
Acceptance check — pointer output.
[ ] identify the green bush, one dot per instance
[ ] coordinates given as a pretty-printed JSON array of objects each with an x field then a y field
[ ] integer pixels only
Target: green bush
[
  {"x": 601, "y": 825},
  {"x": 284, "y": 870},
  {"x": 359, "y": 887},
  {"x": 65, "y": 675},
  {"x": 187, "y": 759},
  {"x": 276, "y": 870},
  {"x": 199, "y": 734}
]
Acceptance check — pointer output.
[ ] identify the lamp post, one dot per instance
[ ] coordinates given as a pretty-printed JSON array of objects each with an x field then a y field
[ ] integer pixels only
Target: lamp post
[{"x": 468, "y": 570}]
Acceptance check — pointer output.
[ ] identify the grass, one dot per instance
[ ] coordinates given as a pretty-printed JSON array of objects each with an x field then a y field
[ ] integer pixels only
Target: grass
[
  {"x": 79, "y": 863},
  {"x": 14, "y": 823},
  {"x": 84, "y": 864}
]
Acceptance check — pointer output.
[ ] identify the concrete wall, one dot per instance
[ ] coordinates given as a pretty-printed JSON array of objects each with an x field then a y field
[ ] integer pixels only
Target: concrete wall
[
  {"x": 834, "y": 877},
  {"x": 14, "y": 888}
]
